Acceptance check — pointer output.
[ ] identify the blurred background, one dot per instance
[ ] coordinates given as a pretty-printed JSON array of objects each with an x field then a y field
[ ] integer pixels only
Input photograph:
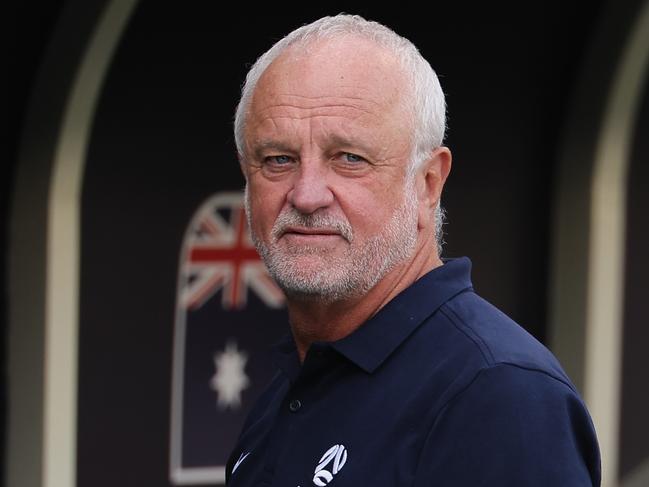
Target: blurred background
[{"x": 123, "y": 309}]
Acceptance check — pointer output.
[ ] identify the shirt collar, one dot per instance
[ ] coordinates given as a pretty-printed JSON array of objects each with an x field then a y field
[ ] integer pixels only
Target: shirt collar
[{"x": 373, "y": 342}]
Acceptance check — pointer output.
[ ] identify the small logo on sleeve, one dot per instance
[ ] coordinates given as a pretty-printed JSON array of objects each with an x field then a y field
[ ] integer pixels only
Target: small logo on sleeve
[{"x": 336, "y": 456}]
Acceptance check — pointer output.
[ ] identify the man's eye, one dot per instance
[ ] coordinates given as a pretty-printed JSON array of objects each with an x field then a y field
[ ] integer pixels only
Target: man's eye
[
  {"x": 278, "y": 160},
  {"x": 353, "y": 158}
]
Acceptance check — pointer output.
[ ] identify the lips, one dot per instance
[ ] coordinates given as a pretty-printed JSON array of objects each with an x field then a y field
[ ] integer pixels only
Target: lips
[
  {"x": 312, "y": 237},
  {"x": 290, "y": 223},
  {"x": 310, "y": 231}
]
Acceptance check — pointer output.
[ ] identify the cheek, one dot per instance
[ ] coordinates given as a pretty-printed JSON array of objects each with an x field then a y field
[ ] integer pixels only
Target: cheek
[
  {"x": 369, "y": 210},
  {"x": 266, "y": 203}
]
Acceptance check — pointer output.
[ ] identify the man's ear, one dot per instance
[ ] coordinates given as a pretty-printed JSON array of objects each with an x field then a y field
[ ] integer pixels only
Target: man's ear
[{"x": 431, "y": 178}]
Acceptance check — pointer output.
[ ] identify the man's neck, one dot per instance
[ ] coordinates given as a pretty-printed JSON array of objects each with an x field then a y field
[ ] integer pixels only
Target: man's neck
[{"x": 314, "y": 320}]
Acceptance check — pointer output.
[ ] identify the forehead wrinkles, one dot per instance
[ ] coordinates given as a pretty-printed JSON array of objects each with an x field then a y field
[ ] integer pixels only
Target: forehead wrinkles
[
  {"x": 320, "y": 127},
  {"x": 268, "y": 112},
  {"x": 314, "y": 105},
  {"x": 287, "y": 113}
]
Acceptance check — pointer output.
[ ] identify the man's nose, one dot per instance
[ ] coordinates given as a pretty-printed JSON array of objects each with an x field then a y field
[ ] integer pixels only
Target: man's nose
[{"x": 310, "y": 190}]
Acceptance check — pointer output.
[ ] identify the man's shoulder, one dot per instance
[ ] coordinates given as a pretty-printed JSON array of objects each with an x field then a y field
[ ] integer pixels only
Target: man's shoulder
[
  {"x": 467, "y": 347},
  {"x": 493, "y": 338}
]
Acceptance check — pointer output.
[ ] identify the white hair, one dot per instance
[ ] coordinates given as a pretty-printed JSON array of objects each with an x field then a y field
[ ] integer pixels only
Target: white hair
[{"x": 425, "y": 98}]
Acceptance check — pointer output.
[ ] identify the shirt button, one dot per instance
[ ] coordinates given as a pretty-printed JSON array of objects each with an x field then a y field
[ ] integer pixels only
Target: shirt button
[{"x": 294, "y": 405}]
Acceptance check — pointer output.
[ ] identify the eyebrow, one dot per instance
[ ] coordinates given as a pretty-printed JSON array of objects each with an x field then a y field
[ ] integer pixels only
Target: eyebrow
[
  {"x": 349, "y": 142},
  {"x": 333, "y": 140},
  {"x": 264, "y": 145}
]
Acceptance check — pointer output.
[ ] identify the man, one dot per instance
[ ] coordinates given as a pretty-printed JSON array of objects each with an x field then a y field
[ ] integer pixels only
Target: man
[{"x": 396, "y": 372}]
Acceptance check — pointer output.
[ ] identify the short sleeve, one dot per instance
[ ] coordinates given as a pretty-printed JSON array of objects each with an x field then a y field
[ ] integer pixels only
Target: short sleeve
[{"x": 515, "y": 427}]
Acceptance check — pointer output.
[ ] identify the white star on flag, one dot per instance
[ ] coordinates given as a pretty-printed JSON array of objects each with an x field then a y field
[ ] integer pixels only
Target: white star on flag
[{"x": 230, "y": 379}]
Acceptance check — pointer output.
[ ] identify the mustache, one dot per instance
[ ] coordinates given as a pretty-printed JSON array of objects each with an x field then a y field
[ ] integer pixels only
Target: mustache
[{"x": 318, "y": 221}]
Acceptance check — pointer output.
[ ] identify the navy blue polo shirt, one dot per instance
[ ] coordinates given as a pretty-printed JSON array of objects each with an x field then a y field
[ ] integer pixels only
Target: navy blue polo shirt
[{"x": 437, "y": 389}]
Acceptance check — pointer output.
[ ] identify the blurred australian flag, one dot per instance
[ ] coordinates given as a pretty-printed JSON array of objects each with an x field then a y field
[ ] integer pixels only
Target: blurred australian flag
[{"x": 228, "y": 314}]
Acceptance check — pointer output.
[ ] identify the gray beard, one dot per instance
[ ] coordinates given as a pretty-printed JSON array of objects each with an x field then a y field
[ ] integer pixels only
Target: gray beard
[{"x": 335, "y": 278}]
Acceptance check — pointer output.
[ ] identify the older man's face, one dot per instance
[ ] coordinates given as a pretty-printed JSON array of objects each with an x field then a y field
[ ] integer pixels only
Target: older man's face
[{"x": 327, "y": 147}]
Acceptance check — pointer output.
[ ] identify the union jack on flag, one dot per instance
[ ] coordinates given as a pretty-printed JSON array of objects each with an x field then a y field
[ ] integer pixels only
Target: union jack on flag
[{"x": 219, "y": 255}]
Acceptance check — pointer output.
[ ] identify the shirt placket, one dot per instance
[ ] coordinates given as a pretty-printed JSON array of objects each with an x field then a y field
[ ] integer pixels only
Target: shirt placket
[{"x": 287, "y": 432}]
